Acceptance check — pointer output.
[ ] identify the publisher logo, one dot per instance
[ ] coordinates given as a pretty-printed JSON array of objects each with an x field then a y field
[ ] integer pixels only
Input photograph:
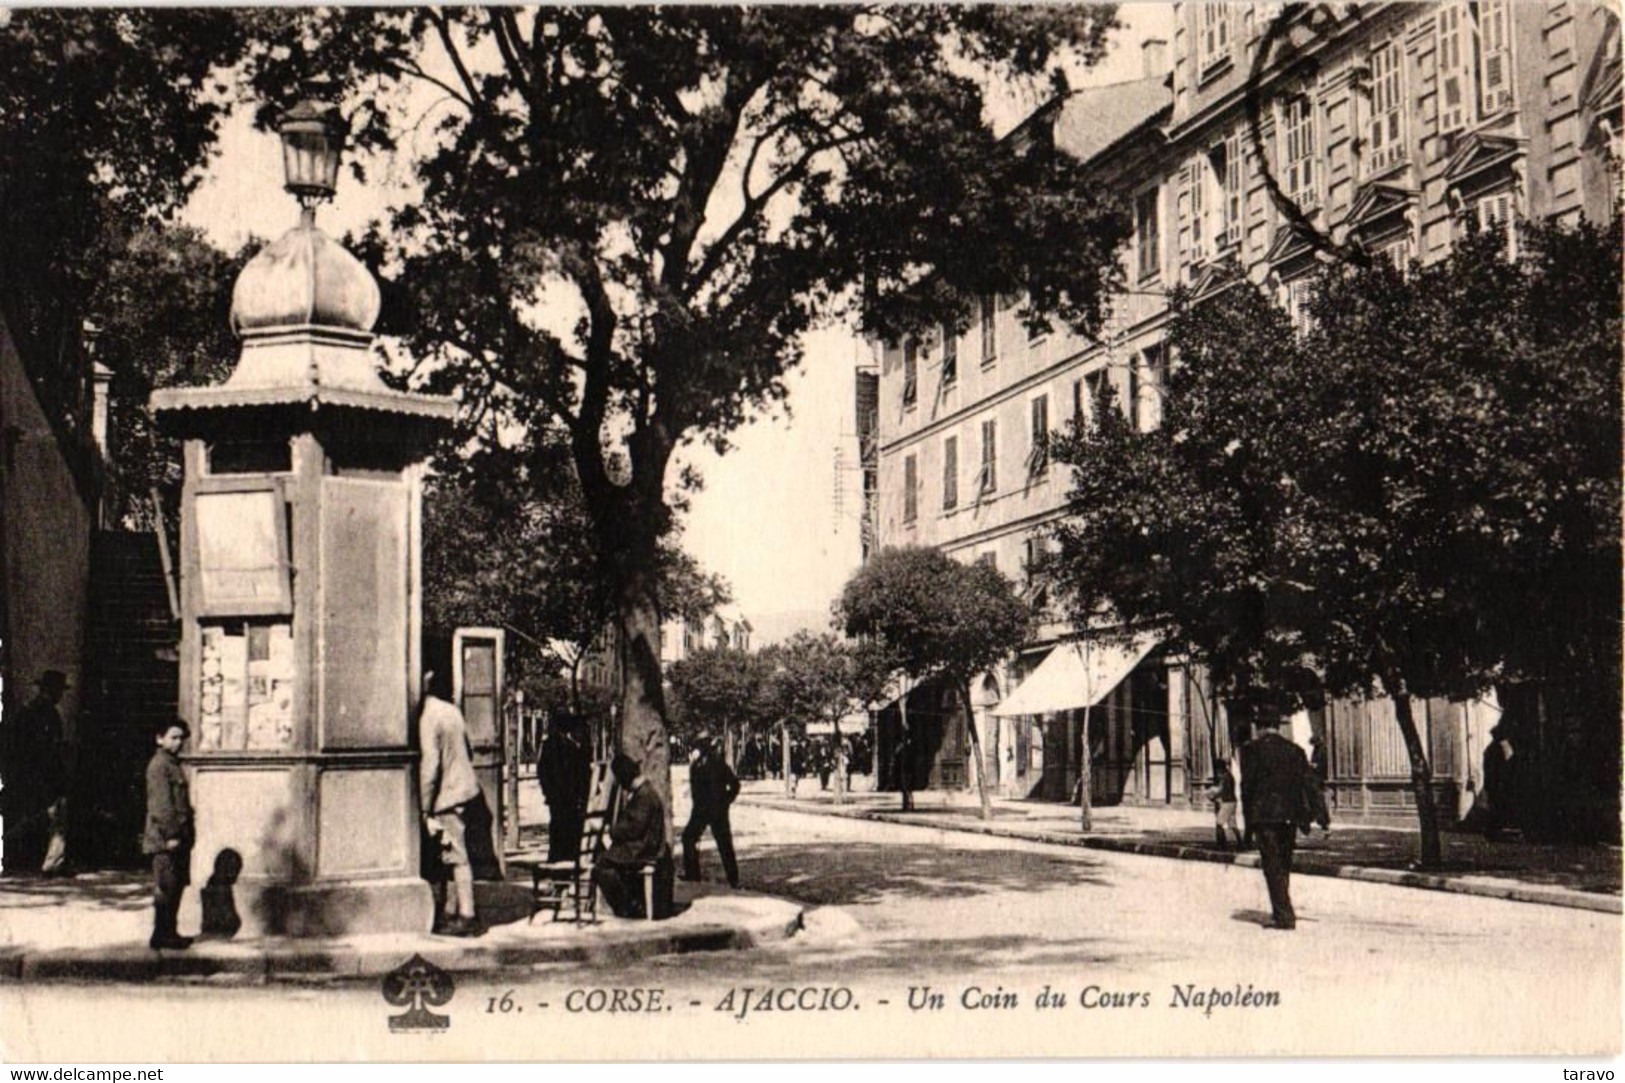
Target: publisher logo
[{"x": 418, "y": 985}]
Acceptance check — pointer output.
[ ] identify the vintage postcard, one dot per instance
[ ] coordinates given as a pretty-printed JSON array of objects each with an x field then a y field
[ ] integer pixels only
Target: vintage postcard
[{"x": 791, "y": 532}]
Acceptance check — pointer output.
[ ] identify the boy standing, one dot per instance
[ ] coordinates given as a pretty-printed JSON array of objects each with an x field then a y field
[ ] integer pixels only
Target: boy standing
[{"x": 168, "y": 835}]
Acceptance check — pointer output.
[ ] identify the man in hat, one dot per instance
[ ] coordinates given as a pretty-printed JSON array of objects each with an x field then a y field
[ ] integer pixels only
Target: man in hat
[
  {"x": 34, "y": 768},
  {"x": 1275, "y": 779},
  {"x": 565, "y": 774},
  {"x": 713, "y": 787},
  {"x": 637, "y": 839}
]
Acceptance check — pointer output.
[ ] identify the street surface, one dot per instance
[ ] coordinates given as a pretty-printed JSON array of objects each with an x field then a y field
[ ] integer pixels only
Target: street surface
[{"x": 897, "y": 913}]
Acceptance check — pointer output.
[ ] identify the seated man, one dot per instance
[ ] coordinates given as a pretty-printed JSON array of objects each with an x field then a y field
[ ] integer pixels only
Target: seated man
[{"x": 637, "y": 838}]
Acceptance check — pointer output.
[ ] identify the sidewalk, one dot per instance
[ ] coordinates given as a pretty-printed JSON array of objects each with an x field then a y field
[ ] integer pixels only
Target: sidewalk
[
  {"x": 1583, "y": 877},
  {"x": 94, "y": 927}
]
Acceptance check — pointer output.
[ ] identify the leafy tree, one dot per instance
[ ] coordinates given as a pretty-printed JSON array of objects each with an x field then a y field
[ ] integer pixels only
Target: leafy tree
[
  {"x": 629, "y": 216},
  {"x": 1413, "y": 499},
  {"x": 507, "y": 543},
  {"x": 106, "y": 120},
  {"x": 720, "y": 688},
  {"x": 162, "y": 305},
  {"x": 939, "y": 618},
  {"x": 823, "y": 677}
]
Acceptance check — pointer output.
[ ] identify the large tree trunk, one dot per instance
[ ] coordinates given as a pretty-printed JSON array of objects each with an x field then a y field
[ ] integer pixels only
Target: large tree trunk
[
  {"x": 1427, "y": 812},
  {"x": 1086, "y": 782},
  {"x": 642, "y": 729},
  {"x": 977, "y": 761}
]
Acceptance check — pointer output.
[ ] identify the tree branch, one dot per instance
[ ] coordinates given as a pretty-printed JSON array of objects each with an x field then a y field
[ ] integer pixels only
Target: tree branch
[
  {"x": 443, "y": 28},
  {"x": 505, "y": 29},
  {"x": 717, "y": 251}
]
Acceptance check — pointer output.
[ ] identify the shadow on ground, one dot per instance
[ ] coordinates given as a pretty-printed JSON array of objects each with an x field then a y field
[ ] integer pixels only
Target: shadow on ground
[
  {"x": 96, "y": 890},
  {"x": 849, "y": 873}
]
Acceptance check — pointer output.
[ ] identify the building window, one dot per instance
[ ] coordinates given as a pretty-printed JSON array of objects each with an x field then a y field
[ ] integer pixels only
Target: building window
[
  {"x": 1386, "y": 133},
  {"x": 1080, "y": 420},
  {"x": 990, "y": 342},
  {"x": 1147, "y": 235},
  {"x": 1494, "y": 57},
  {"x": 950, "y": 473},
  {"x": 987, "y": 478},
  {"x": 1212, "y": 34},
  {"x": 911, "y": 373},
  {"x": 1298, "y": 293},
  {"x": 1194, "y": 202},
  {"x": 1094, "y": 394},
  {"x": 1148, "y": 408},
  {"x": 989, "y": 558},
  {"x": 1497, "y": 214},
  {"x": 950, "y": 357},
  {"x": 1038, "y": 457},
  {"x": 1395, "y": 250},
  {"x": 1298, "y": 152},
  {"x": 1455, "y": 75},
  {"x": 911, "y": 490},
  {"x": 1131, "y": 408},
  {"x": 1230, "y": 166}
]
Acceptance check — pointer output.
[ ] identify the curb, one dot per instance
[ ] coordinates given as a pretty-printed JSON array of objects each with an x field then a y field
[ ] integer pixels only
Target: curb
[
  {"x": 267, "y": 961},
  {"x": 1524, "y": 893}
]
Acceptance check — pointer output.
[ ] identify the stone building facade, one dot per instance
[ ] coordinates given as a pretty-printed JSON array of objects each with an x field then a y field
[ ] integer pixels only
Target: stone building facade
[{"x": 1394, "y": 125}]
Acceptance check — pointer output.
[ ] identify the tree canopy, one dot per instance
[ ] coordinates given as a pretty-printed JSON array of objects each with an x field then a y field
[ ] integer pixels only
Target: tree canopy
[
  {"x": 629, "y": 216},
  {"x": 161, "y": 306},
  {"x": 107, "y": 119},
  {"x": 507, "y": 543},
  {"x": 1416, "y": 496},
  {"x": 938, "y": 618},
  {"x": 720, "y": 687}
]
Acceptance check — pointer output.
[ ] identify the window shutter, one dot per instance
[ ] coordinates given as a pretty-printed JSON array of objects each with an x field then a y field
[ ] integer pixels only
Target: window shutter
[
  {"x": 1038, "y": 457},
  {"x": 1235, "y": 193},
  {"x": 988, "y": 478},
  {"x": 950, "y": 473},
  {"x": 1453, "y": 74},
  {"x": 911, "y": 485},
  {"x": 1495, "y": 44}
]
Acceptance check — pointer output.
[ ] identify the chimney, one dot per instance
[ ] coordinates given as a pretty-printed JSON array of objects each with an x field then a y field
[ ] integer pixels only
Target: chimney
[{"x": 1153, "y": 57}]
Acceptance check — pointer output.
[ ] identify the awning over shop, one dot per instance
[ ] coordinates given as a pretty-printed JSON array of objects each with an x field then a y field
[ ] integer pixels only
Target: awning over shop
[{"x": 1075, "y": 674}]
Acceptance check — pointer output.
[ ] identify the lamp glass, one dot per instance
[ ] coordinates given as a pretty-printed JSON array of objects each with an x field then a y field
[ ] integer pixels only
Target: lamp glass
[{"x": 310, "y": 160}]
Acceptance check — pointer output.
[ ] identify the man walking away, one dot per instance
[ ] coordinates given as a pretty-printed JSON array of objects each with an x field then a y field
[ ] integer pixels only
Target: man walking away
[
  {"x": 446, "y": 787},
  {"x": 565, "y": 773},
  {"x": 167, "y": 838},
  {"x": 1275, "y": 779},
  {"x": 713, "y": 786}
]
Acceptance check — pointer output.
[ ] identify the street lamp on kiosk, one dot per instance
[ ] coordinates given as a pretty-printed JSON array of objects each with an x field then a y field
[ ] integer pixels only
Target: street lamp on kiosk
[{"x": 313, "y": 133}]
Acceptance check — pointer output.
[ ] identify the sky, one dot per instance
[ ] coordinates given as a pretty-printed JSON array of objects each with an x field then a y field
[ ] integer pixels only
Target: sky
[{"x": 769, "y": 518}]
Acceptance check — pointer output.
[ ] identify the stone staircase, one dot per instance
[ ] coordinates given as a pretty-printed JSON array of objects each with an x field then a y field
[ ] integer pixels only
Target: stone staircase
[{"x": 131, "y": 671}]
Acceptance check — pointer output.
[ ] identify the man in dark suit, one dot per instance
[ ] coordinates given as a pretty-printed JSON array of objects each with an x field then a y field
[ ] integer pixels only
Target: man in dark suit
[
  {"x": 713, "y": 786},
  {"x": 1275, "y": 783},
  {"x": 565, "y": 771},
  {"x": 636, "y": 838}
]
